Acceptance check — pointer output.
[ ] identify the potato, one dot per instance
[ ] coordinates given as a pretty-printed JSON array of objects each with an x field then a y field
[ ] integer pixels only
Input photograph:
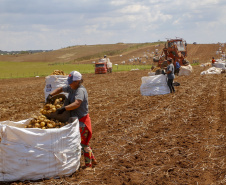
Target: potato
[
  {"x": 58, "y": 106},
  {"x": 54, "y": 124},
  {"x": 37, "y": 125},
  {"x": 56, "y": 101},
  {"x": 48, "y": 111},
  {"x": 42, "y": 124},
  {"x": 49, "y": 125},
  {"x": 53, "y": 109},
  {"x": 47, "y": 106}
]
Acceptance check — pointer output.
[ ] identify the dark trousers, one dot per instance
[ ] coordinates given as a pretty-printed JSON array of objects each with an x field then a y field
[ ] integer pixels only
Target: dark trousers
[
  {"x": 177, "y": 70},
  {"x": 170, "y": 84}
]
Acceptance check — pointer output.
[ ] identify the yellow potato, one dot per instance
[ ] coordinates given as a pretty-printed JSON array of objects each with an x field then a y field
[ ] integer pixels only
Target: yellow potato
[
  {"x": 54, "y": 124},
  {"x": 53, "y": 109},
  {"x": 58, "y": 106},
  {"x": 37, "y": 125},
  {"x": 42, "y": 124},
  {"x": 50, "y": 125}
]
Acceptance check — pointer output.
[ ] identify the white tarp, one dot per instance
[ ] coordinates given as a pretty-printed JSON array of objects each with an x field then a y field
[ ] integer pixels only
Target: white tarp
[
  {"x": 154, "y": 85},
  {"x": 32, "y": 153},
  {"x": 53, "y": 82},
  {"x": 185, "y": 70},
  {"x": 212, "y": 70}
]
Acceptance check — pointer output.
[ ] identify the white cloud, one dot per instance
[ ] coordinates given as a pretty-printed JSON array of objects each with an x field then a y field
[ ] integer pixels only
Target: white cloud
[{"x": 54, "y": 24}]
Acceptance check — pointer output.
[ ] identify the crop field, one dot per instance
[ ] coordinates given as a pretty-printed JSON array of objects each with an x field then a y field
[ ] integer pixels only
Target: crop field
[{"x": 167, "y": 139}]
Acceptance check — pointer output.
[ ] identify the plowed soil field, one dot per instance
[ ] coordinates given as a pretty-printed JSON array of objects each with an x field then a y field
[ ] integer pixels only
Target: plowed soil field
[{"x": 166, "y": 139}]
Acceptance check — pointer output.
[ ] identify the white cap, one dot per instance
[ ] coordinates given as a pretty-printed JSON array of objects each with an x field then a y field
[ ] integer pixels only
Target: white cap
[{"x": 74, "y": 76}]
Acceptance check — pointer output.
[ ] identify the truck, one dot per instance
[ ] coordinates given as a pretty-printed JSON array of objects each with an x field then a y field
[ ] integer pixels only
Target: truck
[
  {"x": 103, "y": 66},
  {"x": 175, "y": 49}
]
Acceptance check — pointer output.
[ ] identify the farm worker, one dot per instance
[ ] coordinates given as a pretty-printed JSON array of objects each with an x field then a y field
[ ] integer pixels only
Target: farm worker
[
  {"x": 170, "y": 75},
  {"x": 106, "y": 59},
  {"x": 213, "y": 61},
  {"x": 78, "y": 107},
  {"x": 177, "y": 68}
]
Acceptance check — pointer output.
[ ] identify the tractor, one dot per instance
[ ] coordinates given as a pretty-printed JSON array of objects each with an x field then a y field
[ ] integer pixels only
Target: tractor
[{"x": 175, "y": 49}]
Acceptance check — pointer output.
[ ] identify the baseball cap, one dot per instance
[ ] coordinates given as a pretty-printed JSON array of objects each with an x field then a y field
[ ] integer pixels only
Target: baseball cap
[{"x": 74, "y": 76}]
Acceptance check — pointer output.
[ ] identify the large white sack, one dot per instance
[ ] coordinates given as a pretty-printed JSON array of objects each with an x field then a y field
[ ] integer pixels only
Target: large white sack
[
  {"x": 212, "y": 70},
  {"x": 154, "y": 85},
  {"x": 109, "y": 64},
  {"x": 219, "y": 64},
  {"x": 32, "y": 153},
  {"x": 53, "y": 82},
  {"x": 185, "y": 70}
]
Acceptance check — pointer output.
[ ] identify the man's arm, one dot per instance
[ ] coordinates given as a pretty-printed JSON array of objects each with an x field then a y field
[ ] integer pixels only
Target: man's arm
[
  {"x": 56, "y": 91},
  {"x": 76, "y": 104}
]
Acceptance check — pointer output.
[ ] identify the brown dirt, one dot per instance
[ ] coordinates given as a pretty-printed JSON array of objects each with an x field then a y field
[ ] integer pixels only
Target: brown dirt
[{"x": 167, "y": 139}]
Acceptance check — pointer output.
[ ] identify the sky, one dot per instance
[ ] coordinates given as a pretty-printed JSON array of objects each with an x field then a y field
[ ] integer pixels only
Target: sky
[{"x": 56, "y": 24}]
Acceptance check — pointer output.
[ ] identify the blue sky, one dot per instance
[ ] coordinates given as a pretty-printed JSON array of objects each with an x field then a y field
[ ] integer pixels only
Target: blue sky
[{"x": 55, "y": 24}]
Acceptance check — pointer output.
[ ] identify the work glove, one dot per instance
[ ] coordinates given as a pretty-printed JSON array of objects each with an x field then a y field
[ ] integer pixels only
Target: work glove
[
  {"x": 48, "y": 99},
  {"x": 61, "y": 110}
]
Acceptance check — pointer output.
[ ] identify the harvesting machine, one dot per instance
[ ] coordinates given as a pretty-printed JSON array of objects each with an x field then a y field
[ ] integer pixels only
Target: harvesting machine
[{"x": 175, "y": 49}]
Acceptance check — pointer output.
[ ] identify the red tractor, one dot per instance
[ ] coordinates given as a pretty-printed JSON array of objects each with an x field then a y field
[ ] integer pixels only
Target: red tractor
[{"x": 175, "y": 49}]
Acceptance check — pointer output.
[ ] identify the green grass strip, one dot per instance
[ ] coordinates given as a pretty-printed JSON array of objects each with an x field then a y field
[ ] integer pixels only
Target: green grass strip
[{"x": 32, "y": 69}]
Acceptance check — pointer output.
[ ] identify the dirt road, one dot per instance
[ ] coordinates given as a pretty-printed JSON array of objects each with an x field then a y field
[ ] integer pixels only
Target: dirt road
[{"x": 168, "y": 139}]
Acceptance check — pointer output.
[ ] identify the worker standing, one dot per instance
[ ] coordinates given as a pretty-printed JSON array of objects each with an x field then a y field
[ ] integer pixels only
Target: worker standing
[
  {"x": 78, "y": 107},
  {"x": 170, "y": 75},
  {"x": 213, "y": 61},
  {"x": 109, "y": 64},
  {"x": 177, "y": 68}
]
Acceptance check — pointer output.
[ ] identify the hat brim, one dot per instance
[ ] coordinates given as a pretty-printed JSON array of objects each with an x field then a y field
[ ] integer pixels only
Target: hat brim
[{"x": 69, "y": 80}]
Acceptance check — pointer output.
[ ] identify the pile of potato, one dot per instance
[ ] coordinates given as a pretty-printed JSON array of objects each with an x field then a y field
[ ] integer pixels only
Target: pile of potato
[
  {"x": 155, "y": 69},
  {"x": 49, "y": 108},
  {"x": 58, "y": 72},
  {"x": 42, "y": 121}
]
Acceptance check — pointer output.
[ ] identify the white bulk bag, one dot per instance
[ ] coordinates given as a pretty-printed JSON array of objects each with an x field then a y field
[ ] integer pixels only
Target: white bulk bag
[
  {"x": 185, "y": 70},
  {"x": 219, "y": 64},
  {"x": 53, "y": 82},
  {"x": 32, "y": 153},
  {"x": 154, "y": 85},
  {"x": 212, "y": 70}
]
